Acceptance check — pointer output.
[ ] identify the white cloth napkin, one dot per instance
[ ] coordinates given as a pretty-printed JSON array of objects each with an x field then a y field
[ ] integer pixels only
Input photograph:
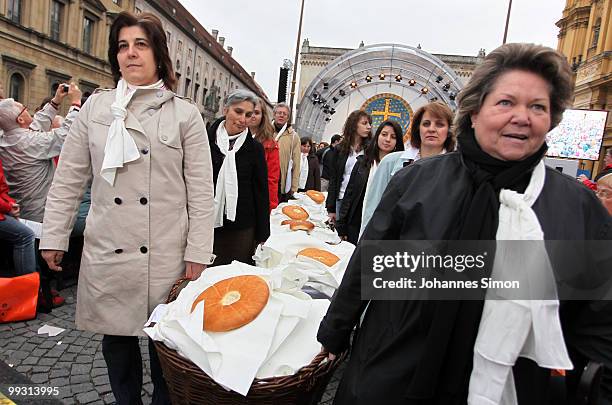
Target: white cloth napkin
[
  {"x": 280, "y": 252},
  {"x": 233, "y": 358},
  {"x": 511, "y": 328},
  {"x": 120, "y": 147},
  {"x": 226, "y": 190}
]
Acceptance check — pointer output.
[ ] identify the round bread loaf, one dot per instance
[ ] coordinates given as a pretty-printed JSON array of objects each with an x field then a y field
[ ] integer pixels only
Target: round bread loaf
[
  {"x": 320, "y": 255},
  {"x": 316, "y": 196},
  {"x": 233, "y": 302},
  {"x": 295, "y": 212},
  {"x": 297, "y": 225}
]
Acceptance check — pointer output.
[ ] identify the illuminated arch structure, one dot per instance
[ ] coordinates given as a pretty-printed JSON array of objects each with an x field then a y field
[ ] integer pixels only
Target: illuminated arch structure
[{"x": 387, "y": 80}]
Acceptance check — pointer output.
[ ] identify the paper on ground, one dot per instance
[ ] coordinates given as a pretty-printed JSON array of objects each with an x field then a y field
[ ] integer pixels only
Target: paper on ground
[{"x": 50, "y": 330}]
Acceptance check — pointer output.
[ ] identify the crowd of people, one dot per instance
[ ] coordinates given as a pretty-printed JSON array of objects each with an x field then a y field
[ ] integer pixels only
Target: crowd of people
[{"x": 164, "y": 197}]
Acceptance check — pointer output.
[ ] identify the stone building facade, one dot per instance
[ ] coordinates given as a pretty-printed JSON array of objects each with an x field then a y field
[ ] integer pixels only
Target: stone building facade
[
  {"x": 585, "y": 38},
  {"x": 46, "y": 42}
]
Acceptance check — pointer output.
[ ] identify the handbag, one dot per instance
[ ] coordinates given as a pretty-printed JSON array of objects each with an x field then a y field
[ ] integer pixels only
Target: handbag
[{"x": 18, "y": 297}]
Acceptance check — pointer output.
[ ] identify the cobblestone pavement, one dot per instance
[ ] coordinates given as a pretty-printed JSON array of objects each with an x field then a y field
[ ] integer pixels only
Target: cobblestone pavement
[{"x": 73, "y": 359}]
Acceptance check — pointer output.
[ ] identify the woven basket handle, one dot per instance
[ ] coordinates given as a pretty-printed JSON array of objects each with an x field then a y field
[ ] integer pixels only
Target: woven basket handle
[{"x": 176, "y": 289}]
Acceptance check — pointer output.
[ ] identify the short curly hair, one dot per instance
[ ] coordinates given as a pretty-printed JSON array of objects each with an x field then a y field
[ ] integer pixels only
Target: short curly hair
[{"x": 543, "y": 61}]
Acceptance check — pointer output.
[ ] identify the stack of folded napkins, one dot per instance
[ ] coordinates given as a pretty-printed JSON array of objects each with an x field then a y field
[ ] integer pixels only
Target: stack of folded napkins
[
  {"x": 281, "y": 250},
  {"x": 278, "y": 342}
]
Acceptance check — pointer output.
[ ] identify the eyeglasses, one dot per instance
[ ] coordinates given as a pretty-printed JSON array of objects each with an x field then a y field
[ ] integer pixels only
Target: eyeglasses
[
  {"x": 603, "y": 193},
  {"x": 25, "y": 107}
]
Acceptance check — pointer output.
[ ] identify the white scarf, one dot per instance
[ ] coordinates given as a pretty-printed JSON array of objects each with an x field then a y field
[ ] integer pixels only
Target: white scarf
[
  {"x": 517, "y": 328},
  {"x": 120, "y": 146},
  {"x": 281, "y": 132},
  {"x": 303, "y": 171},
  {"x": 226, "y": 191}
]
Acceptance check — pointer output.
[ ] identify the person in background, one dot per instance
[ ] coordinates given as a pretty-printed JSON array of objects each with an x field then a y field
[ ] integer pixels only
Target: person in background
[
  {"x": 413, "y": 352},
  {"x": 263, "y": 132},
  {"x": 289, "y": 151},
  {"x": 310, "y": 177},
  {"x": 430, "y": 135},
  {"x": 146, "y": 154},
  {"x": 387, "y": 139},
  {"x": 14, "y": 232},
  {"x": 320, "y": 147},
  {"x": 355, "y": 137},
  {"x": 242, "y": 206},
  {"x": 325, "y": 157},
  {"x": 604, "y": 190},
  {"x": 28, "y": 146},
  {"x": 607, "y": 169}
]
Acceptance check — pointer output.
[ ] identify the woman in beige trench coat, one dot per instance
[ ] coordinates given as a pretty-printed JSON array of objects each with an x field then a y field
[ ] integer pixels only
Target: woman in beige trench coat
[{"x": 151, "y": 217}]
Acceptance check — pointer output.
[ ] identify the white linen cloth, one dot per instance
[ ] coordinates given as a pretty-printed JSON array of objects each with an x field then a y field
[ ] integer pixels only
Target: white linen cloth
[
  {"x": 511, "y": 328},
  {"x": 234, "y": 358},
  {"x": 120, "y": 147},
  {"x": 303, "y": 171},
  {"x": 280, "y": 251},
  {"x": 226, "y": 190}
]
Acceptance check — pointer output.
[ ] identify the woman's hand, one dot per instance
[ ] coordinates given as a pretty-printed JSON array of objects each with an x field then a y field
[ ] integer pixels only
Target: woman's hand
[
  {"x": 193, "y": 270},
  {"x": 14, "y": 212},
  {"x": 53, "y": 258},
  {"x": 330, "y": 356},
  {"x": 332, "y": 217}
]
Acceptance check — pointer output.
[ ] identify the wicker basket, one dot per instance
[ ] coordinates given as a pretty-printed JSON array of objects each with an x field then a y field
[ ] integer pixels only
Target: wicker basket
[{"x": 188, "y": 384}]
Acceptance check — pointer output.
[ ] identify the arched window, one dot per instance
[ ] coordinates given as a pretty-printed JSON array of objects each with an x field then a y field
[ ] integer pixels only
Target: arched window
[
  {"x": 16, "y": 87},
  {"x": 596, "y": 29}
]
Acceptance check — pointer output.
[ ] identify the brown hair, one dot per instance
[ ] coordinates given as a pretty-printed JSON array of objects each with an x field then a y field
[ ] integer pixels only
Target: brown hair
[
  {"x": 265, "y": 131},
  {"x": 350, "y": 130},
  {"x": 438, "y": 110},
  {"x": 547, "y": 63},
  {"x": 156, "y": 35}
]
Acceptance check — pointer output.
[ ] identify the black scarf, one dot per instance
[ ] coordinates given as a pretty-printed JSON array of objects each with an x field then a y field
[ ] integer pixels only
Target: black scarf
[
  {"x": 490, "y": 175},
  {"x": 448, "y": 351}
]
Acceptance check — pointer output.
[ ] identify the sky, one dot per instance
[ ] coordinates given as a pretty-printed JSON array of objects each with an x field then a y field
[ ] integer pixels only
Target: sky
[{"x": 263, "y": 33}]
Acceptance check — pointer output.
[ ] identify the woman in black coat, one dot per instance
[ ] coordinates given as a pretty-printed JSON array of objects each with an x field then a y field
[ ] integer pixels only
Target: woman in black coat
[
  {"x": 388, "y": 138},
  {"x": 417, "y": 352},
  {"x": 310, "y": 173},
  {"x": 241, "y": 186},
  {"x": 355, "y": 137}
]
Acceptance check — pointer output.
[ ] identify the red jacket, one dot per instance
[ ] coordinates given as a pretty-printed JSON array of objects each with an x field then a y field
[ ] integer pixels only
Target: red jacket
[
  {"x": 273, "y": 163},
  {"x": 6, "y": 202},
  {"x": 593, "y": 185}
]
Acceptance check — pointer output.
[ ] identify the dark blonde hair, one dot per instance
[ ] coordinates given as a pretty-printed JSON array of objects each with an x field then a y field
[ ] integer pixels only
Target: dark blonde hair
[
  {"x": 438, "y": 110},
  {"x": 156, "y": 35},
  {"x": 350, "y": 130},
  {"x": 265, "y": 131},
  {"x": 547, "y": 63}
]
